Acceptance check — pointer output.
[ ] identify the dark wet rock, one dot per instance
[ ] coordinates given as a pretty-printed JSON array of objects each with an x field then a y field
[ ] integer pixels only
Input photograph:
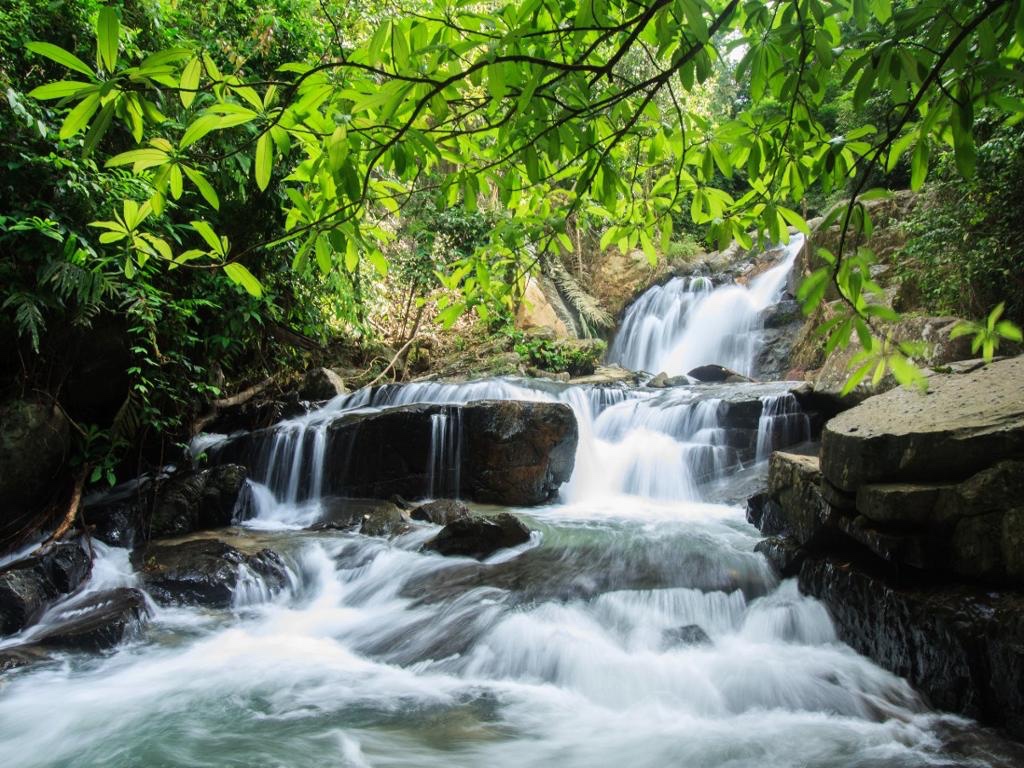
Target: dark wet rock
[
  {"x": 783, "y": 314},
  {"x": 19, "y": 656},
  {"x": 202, "y": 572},
  {"x": 958, "y": 428},
  {"x": 717, "y": 374},
  {"x": 385, "y": 519},
  {"x": 28, "y": 586},
  {"x": 765, "y": 514},
  {"x": 101, "y": 621},
  {"x": 794, "y": 484},
  {"x": 35, "y": 439},
  {"x": 441, "y": 511},
  {"x": 479, "y": 536},
  {"x": 784, "y": 553},
  {"x": 340, "y": 513},
  {"x": 321, "y": 384},
  {"x": 175, "y": 505},
  {"x": 962, "y": 647},
  {"x": 691, "y": 634},
  {"x": 513, "y": 453}
]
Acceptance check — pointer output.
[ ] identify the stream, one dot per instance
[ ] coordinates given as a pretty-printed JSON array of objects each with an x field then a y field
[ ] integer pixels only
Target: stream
[{"x": 636, "y": 628}]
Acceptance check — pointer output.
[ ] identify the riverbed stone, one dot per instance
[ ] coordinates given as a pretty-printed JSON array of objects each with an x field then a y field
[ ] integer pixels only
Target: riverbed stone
[
  {"x": 794, "y": 482},
  {"x": 29, "y": 585},
  {"x": 784, "y": 553},
  {"x": 717, "y": 374},
  {"x": 100, "y": 622},
  {"x": 958, "y": 428},
  {"x": 202, "y": 571},
  {"x": 441, "y": 511},
  {"x": 479, "y": 536},
  {"x": 690, "y": 634}
]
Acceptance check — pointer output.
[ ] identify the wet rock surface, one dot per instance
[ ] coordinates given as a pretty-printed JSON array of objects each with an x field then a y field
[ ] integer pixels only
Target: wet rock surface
[
  {"x": 514, "y": 453},
  {"x": 97, "y": 623},
  {"x": 479, "y": 536},
  {"x": 691, "y": 634},
  {"x": 202, "y": 572},
  {"x": 174, "y": 505},
  {"x": 440, "y": 512},
  {"x": 28, "y": 586},
  {"x": 321, "y": 384}
]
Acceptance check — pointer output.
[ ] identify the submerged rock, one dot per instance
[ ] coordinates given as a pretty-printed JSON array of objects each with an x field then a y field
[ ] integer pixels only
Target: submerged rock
[
  {"x": 21, "y": 656},
  {"x": 441, "y": 511},
  {"x": 691, "y": 634},
  {"x": 478, "y": 536},
  {"x": 28, "y": 586},
  {"x": 713, "y": 374},
  {"x": 100, "y": 622},
  {"x": 202, "y": 572}
]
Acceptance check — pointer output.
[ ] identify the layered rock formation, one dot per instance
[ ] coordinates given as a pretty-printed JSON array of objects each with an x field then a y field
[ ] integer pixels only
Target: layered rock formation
[{"x": 910, "y": 528}]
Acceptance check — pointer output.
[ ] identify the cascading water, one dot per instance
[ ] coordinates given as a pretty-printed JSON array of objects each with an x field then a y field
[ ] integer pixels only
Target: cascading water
[
  {"x": 638, "y": 627},
  {"x": 685, "y": 323}
]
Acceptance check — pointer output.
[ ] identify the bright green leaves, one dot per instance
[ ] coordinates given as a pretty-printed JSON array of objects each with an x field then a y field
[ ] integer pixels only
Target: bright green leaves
[
  {"x": 126, "y": 230},
  {"x": 62, "y": 57},
  {"x": 108, "y": 32},
  {"x": 264, "y": 161},
  {"x": 188, "y": 84},
  {"x": 989, "y": 334},
  {"x": 243, "y": 277}
]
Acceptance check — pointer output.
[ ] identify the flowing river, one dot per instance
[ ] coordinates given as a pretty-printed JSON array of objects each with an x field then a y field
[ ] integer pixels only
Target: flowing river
[{"x": 637, "y": 627}]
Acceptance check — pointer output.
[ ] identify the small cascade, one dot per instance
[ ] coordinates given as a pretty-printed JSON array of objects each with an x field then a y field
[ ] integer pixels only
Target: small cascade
[
  {"x": 783, "y": 422},
  {"x": 445, "y": 455},
  {"x": 684, "y": 324}
]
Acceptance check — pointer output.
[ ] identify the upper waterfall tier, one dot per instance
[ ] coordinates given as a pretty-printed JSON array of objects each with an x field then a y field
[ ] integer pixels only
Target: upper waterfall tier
[{"x": 687, "y": 322}]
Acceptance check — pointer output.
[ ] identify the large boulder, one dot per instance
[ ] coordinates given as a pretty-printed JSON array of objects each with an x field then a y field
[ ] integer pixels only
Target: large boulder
[
  {"x": 953, "y": 431},
  {"x": 28, "y": 586},
  {"x": 513, "y": 453},
  {"x": 714, "y": 374},
  {"x": 479, "y": 536},
  {"x": 35, "y": 439},
  {"x": 203, "y": 571},
  {"x": 440, "y": 512}
]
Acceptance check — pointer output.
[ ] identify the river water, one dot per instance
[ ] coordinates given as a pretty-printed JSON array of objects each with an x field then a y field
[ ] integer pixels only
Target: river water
[{"x": 577, "y": 649}]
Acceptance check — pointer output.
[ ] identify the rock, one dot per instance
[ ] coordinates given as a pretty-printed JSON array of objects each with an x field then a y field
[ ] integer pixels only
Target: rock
[
  {"x": 794, "y": 482},
  {"x": 513, "y": 453},
  {"x": 783, "y": 314},
  {"x": 340, "y": 513},
  {"x": 17, "y": 656},
  {"x": 899, "y": 503},
  {"x": 716, "y": 374},
  {"x": 441, "y": 512},
  {"x": 34, "y": 443},
  {"x": 97, "y": 623},
  {"x": 956, "y": 429},
  {"x": 764, "y": 513},
  {"x": 321, "y": 384},
  {"x": 28, "y": 586},
  {"x": 538, "y": 310},
  {"x": 385, "y": 520},
  {"x": 784, "y": 553},
  {"x": 202, "y": 572},
  {"x": 478, "y": 536},
  {"x": 963, "y": 648},
  {"x": 691, "y": 634},
  {"x": 174, "y": 505},
  {"x": 659, "y": 382},
  {"x": 607, "y": 375}
]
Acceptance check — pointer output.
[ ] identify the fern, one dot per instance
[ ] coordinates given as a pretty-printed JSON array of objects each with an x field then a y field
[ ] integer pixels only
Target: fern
[
  {"x": 28, "y": 316},
  {"x": 593, "y": 317}
]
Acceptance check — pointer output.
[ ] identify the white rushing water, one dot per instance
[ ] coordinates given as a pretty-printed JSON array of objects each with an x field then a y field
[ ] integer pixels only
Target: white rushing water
[
  {"x": 687, "y": 322},
  {"x": 637, "y": 627}
]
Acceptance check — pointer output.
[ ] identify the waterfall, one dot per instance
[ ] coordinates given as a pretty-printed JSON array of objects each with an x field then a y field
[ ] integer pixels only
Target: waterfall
[
  {"x": 783, "y": 422},
  {"x": 685, "y": 323}
]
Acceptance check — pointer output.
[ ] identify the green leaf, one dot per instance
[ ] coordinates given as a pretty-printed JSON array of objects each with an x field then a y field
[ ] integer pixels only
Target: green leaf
[
  {"x": 189, "y": 82},
  {"x": 141, "y": 159},
  {"x": 496, "y": 81},
  {"x": 108, "y": 31},
  {"x": 243, "y": 277},
  {"x": 919, "y": 164},
  {"x": 204, "y": 186},
  {"x": 60, "y": 89},
  {"x": 206, "y": 232},
  {"x": 1009, "y": 331},
  {"x": 59, "y": 55},
  {"x": 79, "y": 117},
  {"x": 264, "y": 160}
]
